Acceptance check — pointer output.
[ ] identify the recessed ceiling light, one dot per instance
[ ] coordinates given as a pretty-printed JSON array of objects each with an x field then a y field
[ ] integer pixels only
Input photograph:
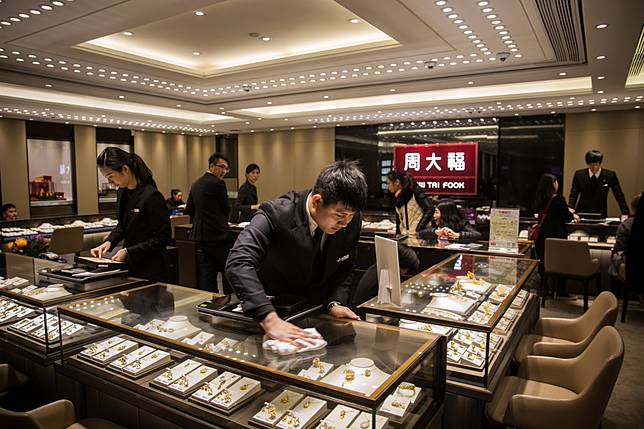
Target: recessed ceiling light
[
  {"x": 492, "y": 16},
  {"x": 265, "y": 38},
  {"x": 392, "y": 90},
  {"x": 487, "y": 10},
  {"x": 48, "y": 85},
  {"x": 601, "y": 26},
  {"x": 34, "y": 11},
  {"x": 637, "y": 107},
  {"x": 57, "y": 3},
  {"x": 553, "y": 112},
  {"x": 178, "y": 105},
  {"x": 601, "y": 57},
  {"x": 518, "y": 56},
  {"x": 447, "y": 9},
  {"x": 600, "y": 92},
  {"x": 196, "y": 53},
  {"x": 354, "y": 20},
  {"x": 46, "y": 7},
  {"x": 470, "y": 82},
  {"x": 14, "y": 19},
  {"x": 121, "y": 96},
  {"x": 128, "y": 33},
  {"x": 440, "y": 3},
  {"x": 199, "y": 13},
  {"x": 593, "y": 110},
  {"x": 563, "y": 74},
  {"x": 24, "y": 15},
  {"x": 269, "y": 102},
  {"x": 601, "y": 77},
  {"x": 325, "y": 97}
]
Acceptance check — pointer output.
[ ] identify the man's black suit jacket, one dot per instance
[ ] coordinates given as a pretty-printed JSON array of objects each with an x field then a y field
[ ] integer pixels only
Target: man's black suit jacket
[
  {"x": 274, "y": 256},
  {"x": 595, "y": 200},
  {"x": 208, "y": 208}
]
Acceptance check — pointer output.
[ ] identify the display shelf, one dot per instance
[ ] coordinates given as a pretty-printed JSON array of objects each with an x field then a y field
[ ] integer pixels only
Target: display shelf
[
  {"x": 476, "y": 301},
  {"x": 363, "y": 364}
]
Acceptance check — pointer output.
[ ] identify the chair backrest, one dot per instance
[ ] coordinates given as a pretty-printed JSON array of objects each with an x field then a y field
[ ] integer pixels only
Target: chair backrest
[
  {"x": 567, "y": 257},
  {"x": 178, "y": 220},
  {"x": 595, "y": 375},
  {"x": 12, "y": 419},
  {"x": 67, "y": 240},
  {"x": 603, "y": 312}
]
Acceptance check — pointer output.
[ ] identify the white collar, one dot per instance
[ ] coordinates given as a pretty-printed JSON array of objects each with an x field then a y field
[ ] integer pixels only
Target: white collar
[
  {"x": 590, "y": 173},
  {"x": 312, "y": 224}
]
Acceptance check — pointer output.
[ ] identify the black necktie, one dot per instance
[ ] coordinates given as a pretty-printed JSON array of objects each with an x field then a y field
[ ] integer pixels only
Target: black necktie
[
  {"x": 594, "y": 182},
  {"x": 318, "y": 260},
  {"x": 317, "y": 240}
]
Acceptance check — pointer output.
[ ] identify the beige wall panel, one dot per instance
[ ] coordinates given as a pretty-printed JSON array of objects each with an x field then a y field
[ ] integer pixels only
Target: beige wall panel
[
  {"x": 13, "y": 165},
  {"x": 153, "y": 148},
  {"x": 86, "y": 176},
  {"x": 312, "y": 151},
  {"x": 620, "y": 136},
  {"x": 178, "y": 162}
]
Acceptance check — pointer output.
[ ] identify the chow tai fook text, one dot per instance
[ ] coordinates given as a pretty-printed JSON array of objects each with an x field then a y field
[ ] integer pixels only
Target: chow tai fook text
[{"x": 440, "y": 169}]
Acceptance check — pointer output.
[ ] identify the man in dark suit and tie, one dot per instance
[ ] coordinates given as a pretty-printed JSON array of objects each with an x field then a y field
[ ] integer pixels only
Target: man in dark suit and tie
[
  {"x": 301, "y": 247},
  {"x": 591, "y": 186},
  {"x": 208, "y": 209}
]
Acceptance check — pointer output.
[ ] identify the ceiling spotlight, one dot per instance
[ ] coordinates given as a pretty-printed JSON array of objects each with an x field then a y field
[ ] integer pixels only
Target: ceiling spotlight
[
  {"x": 601, "y": 26},
  {"x": 265, "y": 38},
  {"x": 354, "y": 20},
  {"x": 46, "y": 7},
  {"x": 601, "y": 57},
  {"x": 482, "y": 3},
  {"x": 441, "y": 3},
  {"x": 196, "y": 53},
  {"x": 128, "y": 33},
  {"x": 24, "y": 15},
  {"x": 57, "y": 3},
  {"x": 392, "y": 90},
  {"x": 601, "y": 77},
  {"x": 121, "y": 96},
  {"x": 48, "y": 85},
  {"x": 600, "y": 92},
  {"x": 178, "y": 105},
  {"x": 593, "y": 110},
  {"x": 269, "y": 102},
  {"x": 325, "y": 97},
  {"x": 199, "y": 13},
  {"x": 563, "y": 74},
  {"x": 470, "y": 83},
  {"x": 553, "y": 112},
  {"x": 34, "y": 11}
]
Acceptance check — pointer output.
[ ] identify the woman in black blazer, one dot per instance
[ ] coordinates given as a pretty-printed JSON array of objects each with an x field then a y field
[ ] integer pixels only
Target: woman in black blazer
[
  {"x": 144, "y": 224},
  {"x": 448, "y": 224},
  {"x": 247, "y": 201}
]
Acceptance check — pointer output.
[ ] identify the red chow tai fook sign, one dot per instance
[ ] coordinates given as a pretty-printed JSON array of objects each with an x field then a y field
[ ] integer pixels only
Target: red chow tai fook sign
[{"x": 440, "y": 169}]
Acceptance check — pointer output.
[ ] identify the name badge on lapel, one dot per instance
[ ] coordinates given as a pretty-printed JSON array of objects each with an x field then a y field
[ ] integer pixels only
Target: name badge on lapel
[
  {"x": 343, "y": 258},
  {"x": 136, "y": 211}
]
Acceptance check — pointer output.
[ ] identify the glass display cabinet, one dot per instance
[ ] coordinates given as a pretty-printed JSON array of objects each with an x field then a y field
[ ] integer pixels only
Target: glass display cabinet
[
  {"x": 477, "y": 302},
  {"x": 154, "y": 342},
  {"x": 29, "y": 300}
]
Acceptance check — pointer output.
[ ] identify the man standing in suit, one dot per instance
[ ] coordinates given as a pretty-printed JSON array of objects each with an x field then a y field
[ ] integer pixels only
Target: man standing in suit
[
  {"x": 591, "y": 186},
  {"x": 208, "y": 209},
  {"x": 301, "y": 247}
]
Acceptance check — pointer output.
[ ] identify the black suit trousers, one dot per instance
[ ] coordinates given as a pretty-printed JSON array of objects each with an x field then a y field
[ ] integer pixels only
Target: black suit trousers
[{"x": 211, "y": 260}]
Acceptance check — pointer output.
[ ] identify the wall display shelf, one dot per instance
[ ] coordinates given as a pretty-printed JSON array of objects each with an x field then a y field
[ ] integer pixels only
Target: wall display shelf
[
  {"x": 29, "y": 300},
  {"x": 477, "y": 302},
  {"x": 155, "y": 343}
]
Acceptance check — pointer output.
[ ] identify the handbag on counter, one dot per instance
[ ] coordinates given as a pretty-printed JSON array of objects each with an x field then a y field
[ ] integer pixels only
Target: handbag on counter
[{"x": 533, "y": 232}]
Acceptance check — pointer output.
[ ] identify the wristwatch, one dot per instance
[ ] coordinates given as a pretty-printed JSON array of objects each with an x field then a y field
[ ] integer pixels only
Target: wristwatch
[{"x": 331, "y": 305}]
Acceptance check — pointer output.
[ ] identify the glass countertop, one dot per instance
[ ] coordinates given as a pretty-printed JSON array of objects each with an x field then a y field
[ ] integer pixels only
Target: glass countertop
[
  {"x": 476, "y": 247},
  {"x": 464, "y": 291},
  {"x": 378, "y": 355}
]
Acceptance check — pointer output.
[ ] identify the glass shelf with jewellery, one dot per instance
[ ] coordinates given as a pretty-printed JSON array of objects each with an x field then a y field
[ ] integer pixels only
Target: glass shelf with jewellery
[
  {"x": 29, "y": 300},
  {"x": 478, "y": 302},
  {"x": 349, "y": 374}
]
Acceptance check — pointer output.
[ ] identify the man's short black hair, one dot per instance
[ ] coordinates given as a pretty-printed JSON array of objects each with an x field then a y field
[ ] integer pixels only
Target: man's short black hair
[
  {"x": 7, "y": 206},
  {"x": 594, "y": 156},
  {"x": 342, "y": 182},
  {"x": 212, "y": 160},
  {"x": 174, "y": 192}
]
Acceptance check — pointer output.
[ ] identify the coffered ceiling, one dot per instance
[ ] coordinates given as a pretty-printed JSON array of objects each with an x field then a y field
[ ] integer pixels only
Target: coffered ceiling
[{"x": 200, "y": 66}]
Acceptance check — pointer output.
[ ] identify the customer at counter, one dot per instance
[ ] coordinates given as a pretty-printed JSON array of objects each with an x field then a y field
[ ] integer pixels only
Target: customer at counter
[
  {"x": 9, "y": 212},
  {"x": 447, "y": 224},
  {"x": 635, "y": 253},
  {"x": 175, "y": 202},
  {"x": 553, "y": 217},
  {"x": 143, "y": 222},
  {"x": 208, "y": 208},
  {"x": 590, "y": 186},
  {"x": 247, "y": 201},
  {"x": 301, "y": 247},
  {"x": 618, "y": 253},
  {"x": 413, "y": 208}
]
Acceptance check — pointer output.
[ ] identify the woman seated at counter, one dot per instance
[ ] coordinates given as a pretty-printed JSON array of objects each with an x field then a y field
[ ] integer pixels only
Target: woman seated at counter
[{"x": 448, "y": 224}]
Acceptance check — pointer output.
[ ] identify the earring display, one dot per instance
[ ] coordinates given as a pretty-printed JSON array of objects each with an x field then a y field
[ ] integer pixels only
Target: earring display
[
  {"x": 341, "y": 417},
  {"x": 191, "y": 381},
  {"x": 108, "y": 355},
  {"x": 46, "y": 293},
  {"x": 198, "y": 340},
  {"x": 425, "y": 327},
  {"x": 235, "y": 395},
  {"x": 304, "y": 414},
  {"x": 396, "y": 406},
  {"x": 13, "y": 282},
  {"x": 10, "y": 311},
  {"x": 317, "y": 370},
  {"x": 224, "y": 345},
  {"x": 175, "y": 328},
  {"x": 129, "y": 358},
  {"x": 360, "y": 375},
  {"x": 209, "y": 390},
  {"x": 272, "y": 412},
  {"x": 148, "y": 363},
  {"x": 520, "y": 300},
  {"x": 363, "y": 421},
  {"x": 296, "y": 346},
  {"x": 500, "y": 294},
  {"x": 473, "y": 284},
  {"x": 170, "y": 375},
  {"x": 101, "y": 346}
]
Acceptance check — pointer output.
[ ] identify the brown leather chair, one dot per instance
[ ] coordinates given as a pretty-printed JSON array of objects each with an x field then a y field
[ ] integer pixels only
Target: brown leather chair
[
  {"x": 67, "y": 240},
  {"x": 57, "y": 415},
  {"x": 569, "y": 259},
  {"x": 566, "y": 338},
  {"x": 561, "y": 393}
]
